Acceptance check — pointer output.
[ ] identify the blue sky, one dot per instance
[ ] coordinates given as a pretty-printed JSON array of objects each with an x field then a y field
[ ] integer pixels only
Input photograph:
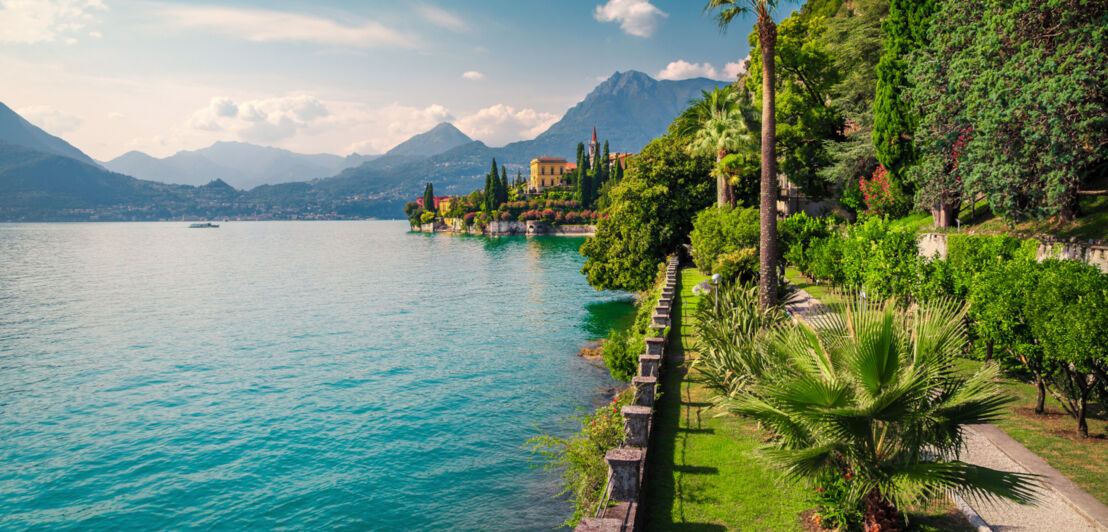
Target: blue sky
[{"x": 113, "y": 76}]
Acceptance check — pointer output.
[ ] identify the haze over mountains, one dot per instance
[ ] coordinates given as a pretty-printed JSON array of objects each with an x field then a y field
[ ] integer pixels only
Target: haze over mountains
[
  {"x": 241, "y": 165},
  {"x": 42, "y": 177}
]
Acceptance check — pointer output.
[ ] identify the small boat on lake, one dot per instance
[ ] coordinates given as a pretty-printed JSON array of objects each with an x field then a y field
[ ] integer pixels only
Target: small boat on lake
[{"x": 204, "y": 225}]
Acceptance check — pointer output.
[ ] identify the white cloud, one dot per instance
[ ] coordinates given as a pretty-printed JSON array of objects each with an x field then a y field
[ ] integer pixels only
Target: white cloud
[
  {"x": 736, "y": 69},
  {"x": 473, "y": 75},
  {"x": 95, "y": 34},
  {"x": 682, "y": 69},
  {"x": 442, "y": 18},
  {"x": 259, "y": 25},
  {"x": 500, "y": 124},
  {"x": 50, "y": 119},
  {"x": 35, "y": 21},
  {"x": 262, "y": 120},
  {"x": 636, "y": 17}
]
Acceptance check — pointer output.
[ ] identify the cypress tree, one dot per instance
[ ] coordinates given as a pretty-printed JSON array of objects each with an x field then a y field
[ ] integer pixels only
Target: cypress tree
[
  {"x": 580, "y": 153},
  {"x": 503, "y": 184},
  {"x": 488, "y": 198},
  {"x": 429, "y": 198},
  {"x": 604, "y": 164},
  {"x": 894, "y": 125},
  {"x": 597, "y": 178}
]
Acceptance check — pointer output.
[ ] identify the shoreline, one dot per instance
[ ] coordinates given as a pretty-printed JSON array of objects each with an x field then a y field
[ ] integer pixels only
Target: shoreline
[{"x": 508, "y": 228}]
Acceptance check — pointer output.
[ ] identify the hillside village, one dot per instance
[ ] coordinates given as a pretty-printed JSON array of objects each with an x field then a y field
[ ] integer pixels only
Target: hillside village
[{"x": 557, "y": 197}]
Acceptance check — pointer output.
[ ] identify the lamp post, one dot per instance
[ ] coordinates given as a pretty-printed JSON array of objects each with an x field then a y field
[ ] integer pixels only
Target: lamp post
[{"x": 715, "y": 289}]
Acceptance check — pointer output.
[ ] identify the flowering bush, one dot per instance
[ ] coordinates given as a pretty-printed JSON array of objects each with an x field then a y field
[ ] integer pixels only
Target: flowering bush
[
  {"x": 877, "y": 192},
  {"x": 548, "y": 215},
  {"x": 468, "y": 218},
  {"x": 505, "y": 216},
  {"x": 573, "y": 218},
  {"x": 560, "y": 217}
]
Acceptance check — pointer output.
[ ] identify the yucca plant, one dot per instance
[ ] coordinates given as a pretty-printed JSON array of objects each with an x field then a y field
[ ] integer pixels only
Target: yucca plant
[
  {"x": 872, "y": 396},
  {"x": 726, "y": 353}
]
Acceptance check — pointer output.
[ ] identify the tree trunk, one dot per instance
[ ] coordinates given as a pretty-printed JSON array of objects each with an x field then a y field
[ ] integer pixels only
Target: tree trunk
[
  {"x": 767, "y": 36},
  {"x": 945, "y": 213},
  {"x": 988, "y": 351},
  {"x": 1082, "y": 423},
  {"x": 721, "y": 181},
  {"x": 878, "y": 514},
  {"x": 1040, "y": 393}
]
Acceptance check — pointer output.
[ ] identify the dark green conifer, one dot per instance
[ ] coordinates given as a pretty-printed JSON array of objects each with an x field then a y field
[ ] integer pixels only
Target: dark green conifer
[
  {"x": 894, "y": 125},
  {"x": 429, "y": 198}
]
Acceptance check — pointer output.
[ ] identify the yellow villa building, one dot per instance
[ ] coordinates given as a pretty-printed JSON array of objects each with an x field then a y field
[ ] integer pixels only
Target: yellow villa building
[{"x": 547, "y": 172}]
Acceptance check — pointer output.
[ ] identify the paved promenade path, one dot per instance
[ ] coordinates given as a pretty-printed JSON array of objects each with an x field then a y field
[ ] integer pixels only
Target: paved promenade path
[{"x": 1062, "y": 506}]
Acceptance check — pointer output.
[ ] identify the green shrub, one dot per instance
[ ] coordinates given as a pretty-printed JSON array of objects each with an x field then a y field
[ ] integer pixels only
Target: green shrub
[
  {"x": 580, "y": 457},
  {"x": 1069, "y": 318},
  {"x": 738, "y": 265},
  {"x": 796, "y": 234},
  {"x": 719, "y": 230},
  {"x": 621, "y": 356}
]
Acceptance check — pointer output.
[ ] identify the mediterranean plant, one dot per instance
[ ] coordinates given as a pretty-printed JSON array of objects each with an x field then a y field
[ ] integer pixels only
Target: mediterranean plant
[
  {"x": 873, "y": 393},
  {"x": 725, "y": 344}
]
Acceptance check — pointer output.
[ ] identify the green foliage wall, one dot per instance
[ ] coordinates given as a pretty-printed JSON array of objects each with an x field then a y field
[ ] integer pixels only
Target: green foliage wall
[
  {"x": 1013, "y": 102},
  {"x": 719, "y": 231}
]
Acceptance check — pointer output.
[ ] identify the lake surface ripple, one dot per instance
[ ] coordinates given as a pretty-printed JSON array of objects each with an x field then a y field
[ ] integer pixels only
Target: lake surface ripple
[{"x": 304, "y": 375}]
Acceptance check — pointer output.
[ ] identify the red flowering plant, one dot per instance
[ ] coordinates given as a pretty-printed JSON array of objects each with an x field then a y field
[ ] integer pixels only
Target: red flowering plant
[
  {"x": 879, "y": 193},
  {"x": 838, "y": 510}
]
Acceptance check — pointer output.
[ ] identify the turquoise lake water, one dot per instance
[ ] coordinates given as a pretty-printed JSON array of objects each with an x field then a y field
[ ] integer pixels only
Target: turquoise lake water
[{"x": 303, "y": 375}]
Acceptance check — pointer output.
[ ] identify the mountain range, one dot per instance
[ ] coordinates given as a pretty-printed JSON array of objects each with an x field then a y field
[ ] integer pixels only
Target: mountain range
[{"x": 42, "y": 177}]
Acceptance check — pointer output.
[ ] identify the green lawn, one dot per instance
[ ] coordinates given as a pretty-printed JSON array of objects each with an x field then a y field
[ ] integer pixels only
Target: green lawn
[
  {"x": 704, "y": 470},
  {"x": 1091, "y": 223},
  {"x": 1053, "y": 435},
  {"x": 823, "y": 293}
]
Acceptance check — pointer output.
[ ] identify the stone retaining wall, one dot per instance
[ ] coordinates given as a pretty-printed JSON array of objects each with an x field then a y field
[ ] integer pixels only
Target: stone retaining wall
[
  {"x": 1094, "y": 252},
  {"x": 627, "y": 463},
  {"x": 504, "y": 228}
]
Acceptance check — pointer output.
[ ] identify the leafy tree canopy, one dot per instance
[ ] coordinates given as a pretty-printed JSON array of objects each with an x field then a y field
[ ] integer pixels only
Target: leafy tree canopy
[{"x": 650, "y": 214}]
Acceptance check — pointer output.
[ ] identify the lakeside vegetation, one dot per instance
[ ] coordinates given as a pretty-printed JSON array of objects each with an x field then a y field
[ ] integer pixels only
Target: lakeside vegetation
[{"x": 892, "y": 117}]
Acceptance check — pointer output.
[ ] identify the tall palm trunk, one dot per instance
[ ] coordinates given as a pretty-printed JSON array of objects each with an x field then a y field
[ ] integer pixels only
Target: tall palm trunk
[
  {"x": 725, "y": 192},
  {"x": 767, "y": 35},
  {"x": 721, "y": 181}
]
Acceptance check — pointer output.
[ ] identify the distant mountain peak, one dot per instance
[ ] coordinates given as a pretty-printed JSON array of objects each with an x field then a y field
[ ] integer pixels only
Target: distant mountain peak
[
  {"x": 434, "y": 141},
  {"x": 15, "y": 129}
]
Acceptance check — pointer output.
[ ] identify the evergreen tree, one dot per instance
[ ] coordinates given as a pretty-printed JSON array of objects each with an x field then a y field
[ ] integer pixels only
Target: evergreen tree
[
  {"x": 607, "y": 169},
  {"x": 488, "y": 197},
  {"x": 503, "y": 186},
  {"x": 492, "y": 188},
  {"x": 618, "y": 171},
  {"x": 894, "y": 125},
  {"x": 580, "y": 153},
  {"x": 597, "y": 179},
  {"x": 429, "y": 198}
]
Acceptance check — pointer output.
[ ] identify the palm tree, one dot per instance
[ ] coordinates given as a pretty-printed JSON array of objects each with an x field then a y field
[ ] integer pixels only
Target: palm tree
[
  {"x": 873, "y": 396},
  {"x": 719, "y": 136},
  {"x": 728, "y": 10},
  {"x": 713, "y": 123}
]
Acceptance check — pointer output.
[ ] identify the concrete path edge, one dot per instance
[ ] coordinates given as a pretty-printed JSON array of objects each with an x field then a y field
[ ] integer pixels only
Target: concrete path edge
[{"x": 1084, "y": 504}]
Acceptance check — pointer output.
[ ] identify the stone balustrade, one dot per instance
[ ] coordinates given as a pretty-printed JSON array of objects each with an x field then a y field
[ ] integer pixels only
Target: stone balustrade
[{"x": 627, "y": 463}]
